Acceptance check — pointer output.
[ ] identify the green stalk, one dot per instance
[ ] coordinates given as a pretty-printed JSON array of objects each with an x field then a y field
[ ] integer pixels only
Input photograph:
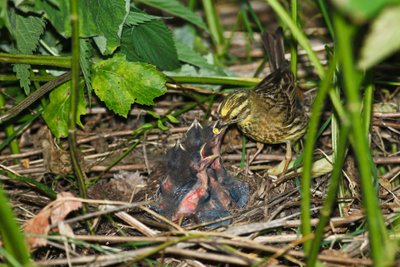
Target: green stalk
[
  {"x": 192, "y": 4},
  {"x": 217, "y": 80},
  {"x": 302, "y": 40},
  {"x": 13, "y": 240},
  {"x": 352, "y": 82},
  {"x": 75, "y": 71},
  {"x": 327, "y": 17},
  {"x": 63, "y": 62},
  {"x": 32, "y": 183},
  {"x": 214, "y": 25},
  {"x": 293, "y": 43},
  {"x": 37, "y": 78},
  {"x": 368, "y": 103},
  {"x": 254, "y": 15},
  {"x": 311, "y": 136},
  {"x": 298, "y": 34},
  {"x": 19, "y": 130},
  {"x": 243, "y": 158},
  {"x": 330, "y": 198},
  {"x": 9, "y": 129}
]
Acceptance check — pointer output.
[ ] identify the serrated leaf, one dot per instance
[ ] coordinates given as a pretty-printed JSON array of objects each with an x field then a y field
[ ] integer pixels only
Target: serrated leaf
[
  {"x": 85, "y": 60},
  {"x": 57, "y": 14},
  {"x": 383, "y": 38},
  {"x": 101, "y": 19},
  {"x": 150, "y": 42},
  {"x": 188, "y": 55},
  {"x": 174, "y": 7},
  {"x": 137, "y": 18},
  {"x": 109, "y": 17},
  {"x": 56, "y": 112},
  {"x": 119, "y": 83},
  {"x": 171, "y": 118},
  {"x": 26, "y": 31},
  {"x": 22, "y": 72}
]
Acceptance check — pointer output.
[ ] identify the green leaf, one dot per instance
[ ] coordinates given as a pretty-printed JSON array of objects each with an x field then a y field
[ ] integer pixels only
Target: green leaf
[
  {"x": 22, "y": 71},
  {"x": 161, "y": 126},
  {"x": 4, "y": 20},
  {"x": 188, "y": 55},
  {"x": 150, "y": 42},
  {"x": 12, "y": 239},
  {"x": 137, "y": 18},
  {"x": 101, "y": 19},
  {"x": 153, "y": 114},
  {"x": 383, "y": 38},
  {"x": 361, "y": 10},
  {"x": 85, "y": 61},
  {"x": 174, "y": 7},
  {"x": 109, "y": 17},
  {"x": 26, "y": 30},
  {"x": 143, "y": 127},
  {"x": 58, "y": 15},
  {"x": 171, "y": 118},
  {"x": 56, "y": 112},
  {"x": 119, "y": 83}
]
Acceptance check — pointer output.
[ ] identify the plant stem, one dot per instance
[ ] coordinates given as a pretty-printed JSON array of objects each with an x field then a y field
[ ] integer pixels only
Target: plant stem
[
  {"x": 214, "y": 25},
  {"x": 13, "y": 240},
  {"x": 352, "y": 82},
  {"x": 330, "y": 197},
  {"x": 293, "y": 43},
  {"x": 311, "y": 136},
  {"x": 41, "y": 78},
  {"x": 9, "y": 129},
  {"x": 328, "y": 22},
  {"x": 298, "y": 34},
  {"x": 217, "y": 80},
  {"x": 14, "y": 111},
  {"x": 75, "y": 71},
  {"x": 63, "y": 62}
]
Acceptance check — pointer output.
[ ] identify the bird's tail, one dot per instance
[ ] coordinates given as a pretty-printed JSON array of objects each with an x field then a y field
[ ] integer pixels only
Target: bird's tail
[{"x": 274, "y": 46}]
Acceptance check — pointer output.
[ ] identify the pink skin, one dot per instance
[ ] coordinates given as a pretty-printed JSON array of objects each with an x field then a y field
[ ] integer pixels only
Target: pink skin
[
  {"x": 217, "y": 165},
  {"x": 167, "y": 184},
  {"x": 189, "y": 203},
  {"x": 223, "y": 198}
]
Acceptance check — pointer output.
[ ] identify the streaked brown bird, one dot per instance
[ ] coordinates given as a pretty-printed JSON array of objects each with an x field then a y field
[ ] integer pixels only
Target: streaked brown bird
[{"x": 272, "y": 112}]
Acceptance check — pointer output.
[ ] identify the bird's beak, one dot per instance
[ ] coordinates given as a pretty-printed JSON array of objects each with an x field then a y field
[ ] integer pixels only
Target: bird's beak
[{"x": 219, "y": 127}]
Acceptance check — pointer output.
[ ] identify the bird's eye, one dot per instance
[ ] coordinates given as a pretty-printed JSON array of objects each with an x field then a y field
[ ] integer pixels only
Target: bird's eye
[{"x": 234, "y": 117}]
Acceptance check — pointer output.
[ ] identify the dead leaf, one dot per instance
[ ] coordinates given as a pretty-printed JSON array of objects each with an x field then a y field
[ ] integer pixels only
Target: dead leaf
[
  {"x": 57, "y": 211},
  {"x": 61, "y": 211},
  {"x": 37, "y": 225}
]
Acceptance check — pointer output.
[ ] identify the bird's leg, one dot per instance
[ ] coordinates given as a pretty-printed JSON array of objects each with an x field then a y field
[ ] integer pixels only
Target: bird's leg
[
  {"x": 260, "y": 147},
  {"x": 282, "y": 167},
  {"x": 288, "y": 157}
]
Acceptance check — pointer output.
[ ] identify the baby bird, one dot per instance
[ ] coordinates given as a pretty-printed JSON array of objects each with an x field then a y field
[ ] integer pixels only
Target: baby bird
[{"x": 196, "y": 183}]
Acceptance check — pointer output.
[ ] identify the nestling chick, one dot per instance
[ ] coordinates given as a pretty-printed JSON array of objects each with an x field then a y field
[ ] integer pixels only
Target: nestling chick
[{"x": 196, "y": 183}]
